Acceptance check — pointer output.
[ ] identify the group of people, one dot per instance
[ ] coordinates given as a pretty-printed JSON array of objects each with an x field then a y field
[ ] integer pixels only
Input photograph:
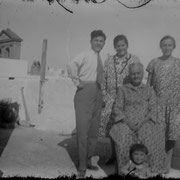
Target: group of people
[{"x": 142, "y": 120}]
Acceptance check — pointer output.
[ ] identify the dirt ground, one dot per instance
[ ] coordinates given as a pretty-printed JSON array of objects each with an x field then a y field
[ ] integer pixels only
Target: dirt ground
[{"x": 27, "y": 151}]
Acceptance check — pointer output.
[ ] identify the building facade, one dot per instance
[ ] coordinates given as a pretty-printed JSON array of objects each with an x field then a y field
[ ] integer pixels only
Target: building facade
[{"x": 10, "y": 44}]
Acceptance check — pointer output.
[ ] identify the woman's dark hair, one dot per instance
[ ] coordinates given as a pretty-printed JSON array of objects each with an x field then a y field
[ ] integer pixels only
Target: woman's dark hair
[
  {"x": 137, "y": 147},
  {"x": 120, "y": 38},
  {"x": 97, "y": 33},
  {"x": 167, "y": 37}
]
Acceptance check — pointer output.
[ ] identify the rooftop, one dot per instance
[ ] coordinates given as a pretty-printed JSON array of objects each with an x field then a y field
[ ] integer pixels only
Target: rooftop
[{"x": 9, "y": 36}]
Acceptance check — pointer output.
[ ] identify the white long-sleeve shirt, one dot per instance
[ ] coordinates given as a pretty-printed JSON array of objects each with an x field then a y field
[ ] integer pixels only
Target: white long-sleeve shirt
[{"x": 84, "y": 67}]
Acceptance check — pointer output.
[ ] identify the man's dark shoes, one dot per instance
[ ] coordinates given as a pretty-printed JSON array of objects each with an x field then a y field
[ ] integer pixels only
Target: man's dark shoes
[
  {"x": 111, "y": 161},
  {"x": 81, "y": 174},
  {"x": 1, "y": 173},
  {"x": 91, "y": 167}
]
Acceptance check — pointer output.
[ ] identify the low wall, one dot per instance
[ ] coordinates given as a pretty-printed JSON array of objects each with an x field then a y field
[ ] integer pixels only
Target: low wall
[
  {"x": 58, "y": 110},
  {"x": 13, "y": 67},
  {"x": 58, "y": 93}
]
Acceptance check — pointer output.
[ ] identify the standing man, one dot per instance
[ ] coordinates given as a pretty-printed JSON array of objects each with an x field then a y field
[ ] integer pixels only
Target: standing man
[{"x": 87, "y": 74}]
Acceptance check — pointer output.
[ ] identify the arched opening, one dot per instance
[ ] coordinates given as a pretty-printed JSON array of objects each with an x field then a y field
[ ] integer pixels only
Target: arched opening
[{"x": 7, "y": 52}]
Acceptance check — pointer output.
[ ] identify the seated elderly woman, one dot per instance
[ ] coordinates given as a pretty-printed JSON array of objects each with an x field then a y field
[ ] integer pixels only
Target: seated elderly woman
[{"x": 135, "y": 113}]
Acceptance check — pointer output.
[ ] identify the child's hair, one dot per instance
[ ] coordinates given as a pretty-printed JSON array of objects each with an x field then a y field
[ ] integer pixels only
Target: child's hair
[{"x": 137, "y": 147}]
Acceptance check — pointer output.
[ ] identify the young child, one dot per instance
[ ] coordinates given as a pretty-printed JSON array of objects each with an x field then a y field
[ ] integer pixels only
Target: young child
[{"x": 138, "y": 164}]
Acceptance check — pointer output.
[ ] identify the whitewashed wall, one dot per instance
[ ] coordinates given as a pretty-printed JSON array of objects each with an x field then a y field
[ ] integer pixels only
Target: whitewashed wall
[
  {"x": 13, "y": 67},
  {"x": 58, "y": 111}
]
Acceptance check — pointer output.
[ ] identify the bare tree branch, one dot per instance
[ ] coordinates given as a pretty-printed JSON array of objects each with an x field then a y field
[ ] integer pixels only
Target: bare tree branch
[
  {"x": 98, "y": 2},
  {"x": 58, "y": 1},
  {"x": 140, "y": 4}
]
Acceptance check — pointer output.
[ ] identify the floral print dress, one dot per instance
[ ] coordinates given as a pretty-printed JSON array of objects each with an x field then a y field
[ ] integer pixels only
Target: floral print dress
[
  {"x": 166, "y": 83},
  {"x": 133, "y": 105},
  {"x": 115, "y": 74}
]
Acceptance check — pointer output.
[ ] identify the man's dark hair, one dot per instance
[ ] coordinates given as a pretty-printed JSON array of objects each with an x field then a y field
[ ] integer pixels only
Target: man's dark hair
[
  {"x": 97, "y": 33},
  {"x": 137, "y": 147}
]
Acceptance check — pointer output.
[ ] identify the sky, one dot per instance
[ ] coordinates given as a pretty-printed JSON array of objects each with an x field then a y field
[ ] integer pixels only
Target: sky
[{"x": 69, "y": 34}]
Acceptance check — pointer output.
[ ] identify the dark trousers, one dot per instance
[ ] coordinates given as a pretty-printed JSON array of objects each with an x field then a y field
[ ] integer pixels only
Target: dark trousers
[{"x": 87, "y": 103}]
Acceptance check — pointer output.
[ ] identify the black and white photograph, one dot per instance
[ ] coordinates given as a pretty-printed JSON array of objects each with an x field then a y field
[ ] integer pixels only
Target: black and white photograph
[{"x": 90, "y": 88}]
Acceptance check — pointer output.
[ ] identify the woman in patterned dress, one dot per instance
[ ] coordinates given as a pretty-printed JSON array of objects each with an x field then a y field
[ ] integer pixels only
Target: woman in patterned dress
[
  {"x": 164, "y": 77},
  {"x": 135, "y": 114},
  {"x": 115, "y": 72}
]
